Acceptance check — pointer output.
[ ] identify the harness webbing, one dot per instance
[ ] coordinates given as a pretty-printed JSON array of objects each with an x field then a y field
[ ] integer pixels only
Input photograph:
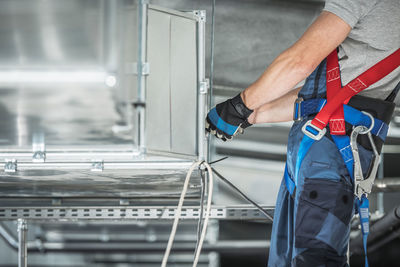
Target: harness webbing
[
  {"x": 333, "y": 114},
  {"x": 367, "y": 78},
  {"x": 363, "y": 211},
  {"x": 333, "y": 87},
  {"x": 336, "y": 121},
  {"x": 336, "y": 96}
]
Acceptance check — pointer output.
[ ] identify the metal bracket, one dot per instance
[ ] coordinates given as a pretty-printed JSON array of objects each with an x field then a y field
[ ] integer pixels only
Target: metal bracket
[
  {"x": 200, "y": 14},
  {"x": 203, "y": 86},
  {"x": 38, "y": 148},
  {"x": 132, "y": 68},
  {"x": 124, "y": 202},
  {"x": 56, "y": 201},
  {"x": 297, "y": 109},
  {"x": 11, "y": 165},
  {"x": 39, "y": 156},
  {"x": 97, "y": 166}
]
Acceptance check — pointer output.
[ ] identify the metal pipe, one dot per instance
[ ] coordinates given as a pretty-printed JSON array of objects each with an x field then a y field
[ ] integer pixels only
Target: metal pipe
[
  {"x": 387, "y": 185},
  {"x": 13, "y": 242},
  {"x": 7, "y": 236},
  {"x": 116, "y": 247},
  {"x": 393, "y": 235},
  {"x": 380, "y": 196},
  {"x": 76, "y": 246},
  {"x": 22, "y": 243}
]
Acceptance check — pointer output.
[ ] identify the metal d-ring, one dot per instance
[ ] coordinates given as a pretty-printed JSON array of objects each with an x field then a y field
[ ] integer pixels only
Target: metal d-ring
[{"x": 372, "y": 123}]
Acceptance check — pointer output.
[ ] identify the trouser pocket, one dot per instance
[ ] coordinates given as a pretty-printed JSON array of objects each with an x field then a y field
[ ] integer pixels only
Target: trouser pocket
[{"x": 323, "y": 214}]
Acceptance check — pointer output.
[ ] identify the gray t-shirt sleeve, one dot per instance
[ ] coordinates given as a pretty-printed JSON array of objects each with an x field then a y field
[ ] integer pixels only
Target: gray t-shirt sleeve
[{"x": 351, "y": 11}]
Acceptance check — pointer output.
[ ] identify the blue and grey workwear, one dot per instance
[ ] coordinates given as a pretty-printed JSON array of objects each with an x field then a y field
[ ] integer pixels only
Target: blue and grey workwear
[{"x": 312, "y": 214}]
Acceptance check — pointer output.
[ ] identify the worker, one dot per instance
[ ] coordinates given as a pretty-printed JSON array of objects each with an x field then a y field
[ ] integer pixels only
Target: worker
[{"x": 316, "y": 199}]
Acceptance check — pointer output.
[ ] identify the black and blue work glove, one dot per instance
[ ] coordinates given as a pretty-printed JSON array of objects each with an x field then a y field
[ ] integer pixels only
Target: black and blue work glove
[{"x": 228, "y": 118}]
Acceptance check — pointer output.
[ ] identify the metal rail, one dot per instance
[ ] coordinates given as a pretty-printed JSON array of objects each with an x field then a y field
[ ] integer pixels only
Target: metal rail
[
  {"x": 387, "y": 185},
  {"x": 245, "y": 212}
]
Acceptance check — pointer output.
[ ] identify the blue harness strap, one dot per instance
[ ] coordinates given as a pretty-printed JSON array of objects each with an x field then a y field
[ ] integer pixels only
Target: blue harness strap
[
  {"x": 307, "y": 107},
  {"x": 356, "y": 117},
  {"x": 363, "y": 211},
  {"x": 351, "y": 115},
  {"x": 343, "y": 144}
]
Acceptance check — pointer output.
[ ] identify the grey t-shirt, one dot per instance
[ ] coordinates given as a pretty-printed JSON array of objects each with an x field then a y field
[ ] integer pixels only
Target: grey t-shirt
[{"x": 375, "y": 34}]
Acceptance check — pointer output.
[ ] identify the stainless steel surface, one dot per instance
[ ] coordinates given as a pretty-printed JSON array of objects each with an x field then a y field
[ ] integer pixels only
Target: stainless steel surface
[
  {"x": 120, "y": 182},
  {"x": 126, "y": 91},
  {"x": 52, "y": 34},
  {"x": 75, "y": 140},
  {"x": 22, "y": 243},
  {"x": 64, "y": 115},
  {"x": 77, "y": 125},
  {"x": 54, "y": 213}
]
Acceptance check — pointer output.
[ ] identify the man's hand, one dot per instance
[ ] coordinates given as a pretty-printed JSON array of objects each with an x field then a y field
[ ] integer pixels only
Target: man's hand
[{"x": 228, "y": 118}]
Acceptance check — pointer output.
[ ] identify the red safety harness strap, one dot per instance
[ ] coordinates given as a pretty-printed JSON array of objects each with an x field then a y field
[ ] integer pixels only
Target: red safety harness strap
[
  {"x": 333, "y": 87},
  {"x": 367, "y": 78}
]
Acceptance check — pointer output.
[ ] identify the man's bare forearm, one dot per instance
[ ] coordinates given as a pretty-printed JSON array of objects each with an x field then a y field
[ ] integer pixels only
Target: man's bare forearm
[
  {"x": 285, "y": 72},
  {"x": 279, "y": 110},
  {"x": 297, "y": 62}
]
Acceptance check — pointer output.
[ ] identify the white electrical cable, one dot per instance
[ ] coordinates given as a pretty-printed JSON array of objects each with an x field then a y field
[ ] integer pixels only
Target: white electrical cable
[{"x": 179, "y": 211}]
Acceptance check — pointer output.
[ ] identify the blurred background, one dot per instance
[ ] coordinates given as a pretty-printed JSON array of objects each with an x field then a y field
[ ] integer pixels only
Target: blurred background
[{"x": 69, "y": 91}]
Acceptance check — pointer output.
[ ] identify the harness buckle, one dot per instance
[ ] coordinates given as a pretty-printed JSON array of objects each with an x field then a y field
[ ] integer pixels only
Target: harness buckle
[
  {"x": 297, "y": 109},
  {"x": 315, "y": 133}
]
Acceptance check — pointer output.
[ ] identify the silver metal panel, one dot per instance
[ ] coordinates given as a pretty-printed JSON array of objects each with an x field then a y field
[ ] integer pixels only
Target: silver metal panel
[
  {"x": 63, "y": 115},
  {"x": 51, "y": 34},
  {"x": 172, "y": 84},
  {"x": 158, "y": 112},
  {"x": 123, "y": 183},
  {"x": 126, "y": 89},
  {"x": 183, "y": 85}
]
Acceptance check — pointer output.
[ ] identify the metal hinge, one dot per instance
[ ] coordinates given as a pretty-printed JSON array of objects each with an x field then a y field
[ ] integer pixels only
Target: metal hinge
[
  {"x": 132, "y": 68},
  {"x": 10, "y": 165}
]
